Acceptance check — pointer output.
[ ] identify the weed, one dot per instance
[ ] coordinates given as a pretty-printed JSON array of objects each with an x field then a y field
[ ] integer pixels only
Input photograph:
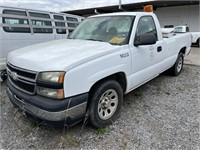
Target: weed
[
  {"x": 101, "y": 130},
  {"x": 124, "y": 146},
  {"x": 138, "y": 93},
  {"x": 34, "y": 124}
]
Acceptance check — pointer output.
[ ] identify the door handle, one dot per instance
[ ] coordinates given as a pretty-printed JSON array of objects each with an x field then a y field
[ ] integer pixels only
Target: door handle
[{"x": 159, "y": 48}]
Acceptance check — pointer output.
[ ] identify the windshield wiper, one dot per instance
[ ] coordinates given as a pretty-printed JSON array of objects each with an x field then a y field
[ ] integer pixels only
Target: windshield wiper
[{"x": 94, "y": 40}]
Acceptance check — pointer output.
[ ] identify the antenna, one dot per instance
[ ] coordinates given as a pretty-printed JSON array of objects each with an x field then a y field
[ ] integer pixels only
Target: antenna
[{"x": 120, "y": 4}]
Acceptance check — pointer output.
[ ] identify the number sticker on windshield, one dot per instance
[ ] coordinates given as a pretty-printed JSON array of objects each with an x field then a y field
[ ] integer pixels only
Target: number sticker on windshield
[{"x": 117, "y": 40}]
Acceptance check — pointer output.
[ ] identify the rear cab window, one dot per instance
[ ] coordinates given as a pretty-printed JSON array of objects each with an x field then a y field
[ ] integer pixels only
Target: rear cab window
[{"x": 15, "y": 21}]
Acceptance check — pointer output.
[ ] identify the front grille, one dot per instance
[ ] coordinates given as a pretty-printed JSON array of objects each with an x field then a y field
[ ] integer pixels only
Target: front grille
[
  {"x": 28, "y": 87},
  {"x": 22, "y": 79},
  {"x": 20, "y": 72}
]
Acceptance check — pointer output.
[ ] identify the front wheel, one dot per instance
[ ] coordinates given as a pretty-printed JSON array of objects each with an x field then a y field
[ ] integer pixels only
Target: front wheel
[
  {"x": 178, "y": 66},
  {"x": 105, "y": 103}
]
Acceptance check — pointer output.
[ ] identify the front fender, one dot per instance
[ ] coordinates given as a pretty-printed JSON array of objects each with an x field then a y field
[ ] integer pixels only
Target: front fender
[{"x": 81, "y": 78}]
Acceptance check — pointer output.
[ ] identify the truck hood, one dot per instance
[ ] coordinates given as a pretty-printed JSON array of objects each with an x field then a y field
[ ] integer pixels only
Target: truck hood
[{"x": 59, "y": 54}]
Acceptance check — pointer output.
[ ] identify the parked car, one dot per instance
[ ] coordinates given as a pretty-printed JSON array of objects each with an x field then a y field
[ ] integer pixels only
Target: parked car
[{"x": 195, "y": 35}]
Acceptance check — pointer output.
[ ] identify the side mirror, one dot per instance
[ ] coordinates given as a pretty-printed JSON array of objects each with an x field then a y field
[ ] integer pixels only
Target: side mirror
[{"x": 145, "y": 39}]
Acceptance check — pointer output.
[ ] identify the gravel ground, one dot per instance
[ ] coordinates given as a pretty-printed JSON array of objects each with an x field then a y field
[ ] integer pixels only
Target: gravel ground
[{"x": 162, "y": 114}]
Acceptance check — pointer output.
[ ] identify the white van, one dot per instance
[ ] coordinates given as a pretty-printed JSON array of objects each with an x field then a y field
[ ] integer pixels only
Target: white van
[{"x": 23, "y": 27}]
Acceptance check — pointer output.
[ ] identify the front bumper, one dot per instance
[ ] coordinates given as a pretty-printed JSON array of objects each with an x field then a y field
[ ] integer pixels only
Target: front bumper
[{"x": 69, "y": 110}]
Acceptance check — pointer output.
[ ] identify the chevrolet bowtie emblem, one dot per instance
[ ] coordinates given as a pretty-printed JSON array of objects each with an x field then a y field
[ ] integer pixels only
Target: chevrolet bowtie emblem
[{"x": 14, "y": 76}]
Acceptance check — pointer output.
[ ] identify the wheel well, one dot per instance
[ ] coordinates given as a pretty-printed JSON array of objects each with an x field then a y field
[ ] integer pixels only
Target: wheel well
[
  {"x": 183, "y": 50},
  {"x": 120, "y": 77}
]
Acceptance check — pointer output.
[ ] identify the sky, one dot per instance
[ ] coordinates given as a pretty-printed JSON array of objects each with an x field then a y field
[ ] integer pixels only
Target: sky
[{"x": 61, "y": 5}]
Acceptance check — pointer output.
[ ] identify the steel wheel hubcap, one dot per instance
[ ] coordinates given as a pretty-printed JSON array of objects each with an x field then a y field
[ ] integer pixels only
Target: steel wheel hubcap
[
  {"x": 107, "y": 104},
  {"x": 180, "y": 63}
]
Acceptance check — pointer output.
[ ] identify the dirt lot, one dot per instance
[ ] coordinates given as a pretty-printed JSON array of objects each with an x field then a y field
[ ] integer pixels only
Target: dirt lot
[{"x": 162, "y": 114}]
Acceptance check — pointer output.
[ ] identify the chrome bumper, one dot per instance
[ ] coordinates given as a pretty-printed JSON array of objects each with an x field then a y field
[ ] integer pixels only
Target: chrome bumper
[{"x": 71, "y": 112}]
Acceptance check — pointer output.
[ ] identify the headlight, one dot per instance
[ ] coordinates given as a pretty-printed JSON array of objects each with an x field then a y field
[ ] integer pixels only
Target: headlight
[
  {"x": 50, "y": 84},
  {"x": 52, "y": 77},
  {"x": 52, "y": 93}
]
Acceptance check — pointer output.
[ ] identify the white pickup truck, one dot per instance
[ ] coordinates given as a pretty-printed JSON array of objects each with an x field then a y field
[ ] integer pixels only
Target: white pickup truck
[
  {"x": 106, "y": 57},
  {"x": 195, "y": 35}
]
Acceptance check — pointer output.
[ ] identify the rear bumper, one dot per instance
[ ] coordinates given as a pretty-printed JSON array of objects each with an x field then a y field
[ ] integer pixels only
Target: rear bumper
[{"x": 70, "y": 110}]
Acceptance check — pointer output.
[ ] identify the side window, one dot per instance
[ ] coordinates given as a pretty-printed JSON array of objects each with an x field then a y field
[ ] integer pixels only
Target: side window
[
  {"x": 146, "y": 25},
  {"x": 60, "y": 24},
  {"x": 16, "y": 24},
  {"x": 72, "y": 23},
  {"x": 41, "y": 23}
]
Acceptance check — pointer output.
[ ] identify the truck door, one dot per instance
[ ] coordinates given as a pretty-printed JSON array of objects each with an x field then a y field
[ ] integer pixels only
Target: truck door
[{"x": 146, "y": 59}]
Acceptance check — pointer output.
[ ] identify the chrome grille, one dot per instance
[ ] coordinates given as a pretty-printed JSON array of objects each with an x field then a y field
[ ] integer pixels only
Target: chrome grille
[
  {"x": 22, "y": 79},
  {"x": 22, "y": 72}
]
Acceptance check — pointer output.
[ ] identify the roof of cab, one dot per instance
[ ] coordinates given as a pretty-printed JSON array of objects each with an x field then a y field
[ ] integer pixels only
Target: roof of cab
[{"x": 122, "y": 14}]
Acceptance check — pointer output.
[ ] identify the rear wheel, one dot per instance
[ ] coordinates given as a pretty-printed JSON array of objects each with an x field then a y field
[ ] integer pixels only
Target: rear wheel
[
  {"x": 178, "y": 66},
  {"x": 105, "y": 103}
]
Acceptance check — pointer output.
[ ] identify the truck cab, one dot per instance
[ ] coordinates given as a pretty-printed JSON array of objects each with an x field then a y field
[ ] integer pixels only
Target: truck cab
[{"x": 105, "y": 57}]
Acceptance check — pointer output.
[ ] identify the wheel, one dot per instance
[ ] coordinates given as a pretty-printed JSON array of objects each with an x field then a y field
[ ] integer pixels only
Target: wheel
[
  {"x": 178, "y": 66},
  {"x": 105, "y": 103}
]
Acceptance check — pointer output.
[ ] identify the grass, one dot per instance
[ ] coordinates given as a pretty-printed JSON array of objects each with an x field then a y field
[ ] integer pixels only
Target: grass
[
  {"x": 101, "y": 130},
  {"x": 34, "y": 124},
  {"x": 138, "y": 93}
]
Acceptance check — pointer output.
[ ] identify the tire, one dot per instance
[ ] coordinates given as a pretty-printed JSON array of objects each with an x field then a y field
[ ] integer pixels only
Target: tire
[
  {"x": 105, "y": 103},
  {"x": 178, "y": 66}
]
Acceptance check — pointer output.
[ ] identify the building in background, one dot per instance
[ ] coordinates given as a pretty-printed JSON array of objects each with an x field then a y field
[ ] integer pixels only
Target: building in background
[
  {"x": 170, "y": 13},
  {"x": 180, "y": 15}
]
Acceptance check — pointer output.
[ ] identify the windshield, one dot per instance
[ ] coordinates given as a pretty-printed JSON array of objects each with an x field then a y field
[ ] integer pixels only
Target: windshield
[
  {"x": 178, "y": 30},
  {"x": 112, "y": 29}
]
